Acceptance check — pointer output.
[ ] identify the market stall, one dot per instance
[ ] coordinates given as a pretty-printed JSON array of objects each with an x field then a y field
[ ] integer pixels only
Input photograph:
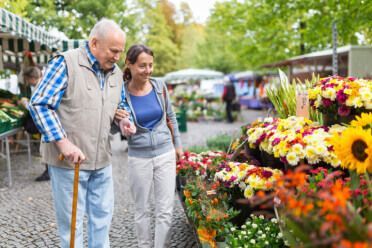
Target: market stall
[
  {"x": 20, "y": 39},
  {"x": 301, "y": 179}
]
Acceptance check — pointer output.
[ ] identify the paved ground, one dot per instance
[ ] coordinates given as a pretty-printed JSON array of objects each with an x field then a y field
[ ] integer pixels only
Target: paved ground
[{"x": 26, "y": 209}]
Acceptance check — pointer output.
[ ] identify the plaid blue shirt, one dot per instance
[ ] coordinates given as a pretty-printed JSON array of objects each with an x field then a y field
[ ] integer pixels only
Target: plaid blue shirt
[{"x": 49, "y": 92}]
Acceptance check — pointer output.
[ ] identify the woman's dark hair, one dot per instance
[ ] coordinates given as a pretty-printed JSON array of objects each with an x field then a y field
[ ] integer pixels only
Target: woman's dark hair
[
  {"x": 132, "y": 56},
  {"x": 32, "y": 72}
]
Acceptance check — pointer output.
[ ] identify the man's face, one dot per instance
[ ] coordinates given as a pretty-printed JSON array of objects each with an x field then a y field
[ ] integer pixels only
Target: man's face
[{"x": 108, "y": 50}]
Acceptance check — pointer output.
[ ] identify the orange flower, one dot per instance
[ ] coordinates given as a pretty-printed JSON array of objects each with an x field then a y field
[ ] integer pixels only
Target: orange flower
[
  {"x": 348, "y": 244},
  {"x": 340, "y": 193},
  {"x": 187, "y": 193},
  {"x": 260, "y": 194},
  {"x": 214, "y": 201},
  {"x": 208, "y": 235},
  {"x": 327, "y": 206},
  {"x": 336, "y": 219}
]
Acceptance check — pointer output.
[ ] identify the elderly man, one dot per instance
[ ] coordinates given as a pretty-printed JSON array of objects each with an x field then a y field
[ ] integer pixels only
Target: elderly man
[{"x": 74, "y": 107}]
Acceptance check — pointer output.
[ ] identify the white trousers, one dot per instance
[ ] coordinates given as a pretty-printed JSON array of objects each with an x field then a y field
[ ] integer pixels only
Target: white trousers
[{"x": 161, "y": 172}]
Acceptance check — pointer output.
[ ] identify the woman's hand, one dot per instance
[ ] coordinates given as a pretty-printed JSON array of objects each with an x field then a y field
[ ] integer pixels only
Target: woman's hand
[
  {"x": 127, "y": 128},
  {"x": 121, "y": 114},
  {"x": 179, "y": 153}
]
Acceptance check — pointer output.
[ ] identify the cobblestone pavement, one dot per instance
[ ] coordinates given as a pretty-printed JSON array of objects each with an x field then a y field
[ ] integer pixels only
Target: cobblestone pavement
[{"x": 26, "y": 210}]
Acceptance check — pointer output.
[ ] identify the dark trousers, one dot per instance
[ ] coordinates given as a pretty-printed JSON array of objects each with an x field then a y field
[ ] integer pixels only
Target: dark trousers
[{"x": 229, "y": 111}]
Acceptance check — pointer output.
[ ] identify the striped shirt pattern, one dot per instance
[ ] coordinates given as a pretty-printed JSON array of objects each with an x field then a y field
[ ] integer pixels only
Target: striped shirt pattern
[{"x": 48, "y": 95}]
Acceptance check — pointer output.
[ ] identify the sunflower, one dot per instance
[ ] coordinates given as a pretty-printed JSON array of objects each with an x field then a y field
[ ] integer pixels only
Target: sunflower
[
  {"x": 354, "y": 149},
  {"x": 362, "y": 121}
]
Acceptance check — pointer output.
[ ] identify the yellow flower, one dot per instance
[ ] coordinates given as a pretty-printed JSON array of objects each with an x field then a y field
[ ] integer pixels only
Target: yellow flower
[
  {"x": 248, "y": 192},
  {"x": 361, "y": 121},
  {"x": 354, "y": 149},
  {"x": 292, "y": 158}
]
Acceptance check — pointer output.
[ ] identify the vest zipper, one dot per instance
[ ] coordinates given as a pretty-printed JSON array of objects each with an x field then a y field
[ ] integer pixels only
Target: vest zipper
[{"x": 100, "y": 124}]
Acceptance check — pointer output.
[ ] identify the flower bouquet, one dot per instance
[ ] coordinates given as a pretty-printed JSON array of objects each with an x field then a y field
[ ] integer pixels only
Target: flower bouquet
[
  {"x": 294, "y": 140},
  {"x": 339, "y": 99}
]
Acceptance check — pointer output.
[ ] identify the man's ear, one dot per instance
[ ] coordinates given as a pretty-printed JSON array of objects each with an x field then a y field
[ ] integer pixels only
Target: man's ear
[{"x": 93, "y": 43}]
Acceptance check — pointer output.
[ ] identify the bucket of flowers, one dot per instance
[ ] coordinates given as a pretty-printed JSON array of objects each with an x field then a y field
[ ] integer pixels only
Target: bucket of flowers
[
  {"x": 208, "y": 209},
  {"x": 340, "y": 99}
]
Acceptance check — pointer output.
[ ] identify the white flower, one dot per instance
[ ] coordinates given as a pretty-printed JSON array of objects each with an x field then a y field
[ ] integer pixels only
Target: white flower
[
  {"x": 280, "y": 235},
  {"x": 233, "y": 229},
  {"x": 252, "y": 241},
  {"x": 263, "y": 236},
  {"x": 244, "y": 232},
  {"x": 273, "y": 220},
  {"x": 261, "y": 217},
  {"x": 259, "y": 232},
  {"x": 266, "y": 242},
  {"x": 254, "y": 225},
  {"x": 244, "y": 226}
]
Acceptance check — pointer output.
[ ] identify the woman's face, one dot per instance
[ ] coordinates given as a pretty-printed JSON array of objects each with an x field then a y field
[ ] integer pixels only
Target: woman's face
[{"x": 142, "y": 69}]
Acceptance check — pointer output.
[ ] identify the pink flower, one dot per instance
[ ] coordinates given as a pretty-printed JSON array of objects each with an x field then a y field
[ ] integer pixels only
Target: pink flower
[
  {"x": 341, "y": 97},
  {"x": 326, "y": 102},
  {"x": 266, "y": 174},
  {"x": 343, "y": 110},
  {"x": 275, "y": 141}
]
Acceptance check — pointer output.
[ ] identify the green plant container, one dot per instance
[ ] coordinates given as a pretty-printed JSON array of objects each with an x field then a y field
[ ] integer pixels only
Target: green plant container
[
  {"x": 182, "y": 120},
  {"x": 4, "y": 126}
]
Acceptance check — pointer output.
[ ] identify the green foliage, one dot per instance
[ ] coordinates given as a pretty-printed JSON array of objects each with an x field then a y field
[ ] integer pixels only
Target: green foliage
[
  {"x": 220, "y": 142},
  {"x": 257, "y": 32},
  {"x": 283, "y": 96},
  {"x": 198, "y": 149},
  {"x": 17, "y": 7},
  {"x": 239, "y": 34}
]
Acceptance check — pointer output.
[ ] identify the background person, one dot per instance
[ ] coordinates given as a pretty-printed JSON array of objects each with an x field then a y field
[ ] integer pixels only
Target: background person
[
  {"x": 228, "y": 96},
  {"x": 31, "y": 77}
]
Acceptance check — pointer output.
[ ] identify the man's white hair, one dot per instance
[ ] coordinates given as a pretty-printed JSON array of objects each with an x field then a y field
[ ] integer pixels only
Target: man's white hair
[{"x": 104, "y": 27}]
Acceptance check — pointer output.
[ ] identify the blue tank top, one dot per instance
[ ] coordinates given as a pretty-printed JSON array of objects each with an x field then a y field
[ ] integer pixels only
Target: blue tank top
[{"x": 147, "y": 109}]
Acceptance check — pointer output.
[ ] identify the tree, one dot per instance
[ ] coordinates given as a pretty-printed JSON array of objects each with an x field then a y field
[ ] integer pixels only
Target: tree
[
  {"x": 17, "y": 7},
  {"x": 159, "y": 38},
  {"x": 76, "y": 17},
  {"x": 263, "y": 31}
]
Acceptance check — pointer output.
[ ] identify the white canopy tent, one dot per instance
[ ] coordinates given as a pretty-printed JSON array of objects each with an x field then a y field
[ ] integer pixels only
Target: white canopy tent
[
  {"x": 190, "y": 74},
  {"x": 17, "y": 35}
]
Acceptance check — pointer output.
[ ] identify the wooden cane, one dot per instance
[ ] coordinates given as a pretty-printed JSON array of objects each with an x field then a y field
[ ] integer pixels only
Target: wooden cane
[{"x": 74, "y": 202}]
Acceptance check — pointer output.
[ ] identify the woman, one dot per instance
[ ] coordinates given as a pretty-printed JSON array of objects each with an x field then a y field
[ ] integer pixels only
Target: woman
[{"x": 152, "y": 151}]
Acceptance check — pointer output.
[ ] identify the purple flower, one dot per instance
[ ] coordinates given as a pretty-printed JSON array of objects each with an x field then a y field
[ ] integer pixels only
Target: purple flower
[
  {"x": 261, "y": 138},
  {"x": 275, "y": 141},
  {"x": 341, "y": 97},
  {"x": 326, "y": 102},
  {"x": 343, "y": 110},
  {"x": 267, "y": 174},
  {"x": 232, "y": 178},
  {"x": 284, "y": 160}
]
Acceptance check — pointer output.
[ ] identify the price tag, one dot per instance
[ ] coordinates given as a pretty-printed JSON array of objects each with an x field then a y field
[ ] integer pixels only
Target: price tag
[
  {"x": 211, "y": 192},
  {"x": 302, "y": 104}
]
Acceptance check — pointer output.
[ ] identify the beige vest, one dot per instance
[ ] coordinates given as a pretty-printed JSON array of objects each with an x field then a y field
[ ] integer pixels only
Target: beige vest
[{"x": 86, "y": 112}]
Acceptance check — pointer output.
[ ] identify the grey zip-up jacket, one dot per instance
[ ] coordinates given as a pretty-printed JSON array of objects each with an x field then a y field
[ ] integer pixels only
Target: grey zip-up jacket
[{"x": 146, "y": 143}]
